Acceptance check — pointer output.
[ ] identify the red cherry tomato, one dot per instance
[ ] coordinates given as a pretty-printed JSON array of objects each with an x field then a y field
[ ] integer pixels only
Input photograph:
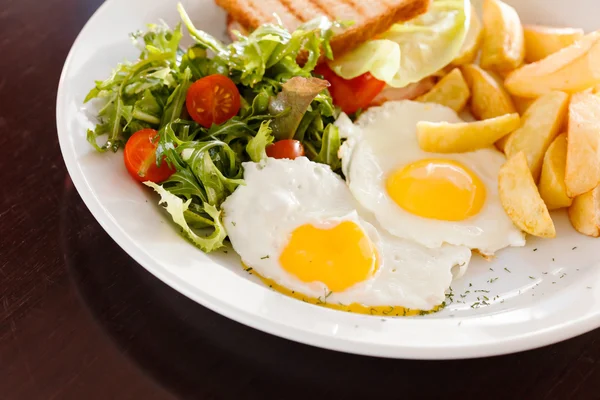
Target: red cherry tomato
[
  {"x": 287, "y": 148},
  {"x": 212, "y": 100},
  {"x": 351, "y": 94},
  {"x": 140, "y": 158}
]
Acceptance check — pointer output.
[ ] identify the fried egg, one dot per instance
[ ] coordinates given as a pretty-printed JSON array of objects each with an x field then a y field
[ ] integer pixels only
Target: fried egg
[
  {"x": 297, "y": 226},
  {"x": 428, "y": 198}
]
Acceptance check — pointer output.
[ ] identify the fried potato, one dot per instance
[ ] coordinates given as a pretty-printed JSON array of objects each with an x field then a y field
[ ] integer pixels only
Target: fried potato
[
  {"x": 451, "y": 91},
  {"x": 488, "y": 97},
  {"x": 522, "y": 103},
  {"x": 444, "y": 137},
  {"x": 552, "y": 180},
  {"x": 541, "y": 41},
  {"x": 521, "y": 200},
  {"x": 583, "y": 149},
  {"x": 470, "y": 47},
  {"x": 585, "y": 213},
  {"x": 501, "y": 143},
  {"x": 503, "y": 45},
  {"x": 572, "y": 69},
  {"x": 541, "y": 124}
]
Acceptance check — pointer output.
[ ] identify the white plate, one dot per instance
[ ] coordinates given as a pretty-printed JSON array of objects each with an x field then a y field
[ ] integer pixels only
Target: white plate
[{"x": 551, "y": 294}]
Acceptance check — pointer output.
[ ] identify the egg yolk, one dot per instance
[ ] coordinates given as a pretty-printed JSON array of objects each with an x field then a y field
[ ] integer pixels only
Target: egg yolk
[
  {"x": 339, "y": 256},
  {"x": 439, "y": 189}
]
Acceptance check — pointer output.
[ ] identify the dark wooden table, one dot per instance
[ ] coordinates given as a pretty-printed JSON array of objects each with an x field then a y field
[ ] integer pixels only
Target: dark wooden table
[{"x": 80, "y": 320}]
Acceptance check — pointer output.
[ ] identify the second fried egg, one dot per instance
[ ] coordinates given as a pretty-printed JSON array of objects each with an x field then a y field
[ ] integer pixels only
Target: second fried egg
[{"x": 429, "y": 198}]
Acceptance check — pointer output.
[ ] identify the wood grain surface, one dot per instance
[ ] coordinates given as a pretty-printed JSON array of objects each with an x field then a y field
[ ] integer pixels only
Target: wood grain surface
[{"x": 80, "y": 320}]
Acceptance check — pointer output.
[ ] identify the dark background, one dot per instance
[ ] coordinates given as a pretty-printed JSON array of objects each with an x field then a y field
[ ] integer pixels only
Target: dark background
[{"x": 80, "y": 320}]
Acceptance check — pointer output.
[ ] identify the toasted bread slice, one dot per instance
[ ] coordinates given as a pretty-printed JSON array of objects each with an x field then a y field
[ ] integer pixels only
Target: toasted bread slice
[{"x": 370, "y": 17}]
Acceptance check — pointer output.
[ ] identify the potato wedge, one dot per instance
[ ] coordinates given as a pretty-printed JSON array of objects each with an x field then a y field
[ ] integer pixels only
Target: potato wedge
[
  {"x": 522, "y": 103},
  {"x": 584, "y": 214},
  {"x": 501, "y": 143},
  {"x": 541, "y": 41},
  {"x": 541, "y": 124},
  {"x": 552, "y": 180},
  {"x": 444, "y": 137},
  {"x": 583, "y": 149},
  {"x": 451, "y": 91},
  {"x": 521, "y": 200},
  {"x": 470, "y": 47},
  {"x": 572, "y": 69},
  {"x": 503, "y": 45},
  {"x": 488, "y": 97}
]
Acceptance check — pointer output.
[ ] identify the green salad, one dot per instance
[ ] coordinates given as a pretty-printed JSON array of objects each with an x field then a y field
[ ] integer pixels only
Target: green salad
[{"x": 189, "y": 147}]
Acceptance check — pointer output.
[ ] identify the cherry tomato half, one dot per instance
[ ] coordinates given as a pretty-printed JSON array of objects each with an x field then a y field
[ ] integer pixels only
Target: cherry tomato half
[
  {"x": 140, "y": 158},
  {"x": 351, "y": 94},
  {"x": 287, "y": 148},
  {"x": 213, "y": 100}
]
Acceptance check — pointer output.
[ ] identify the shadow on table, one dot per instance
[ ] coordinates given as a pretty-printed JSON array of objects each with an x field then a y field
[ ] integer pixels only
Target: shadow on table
[{"x": 197, "y": 353}]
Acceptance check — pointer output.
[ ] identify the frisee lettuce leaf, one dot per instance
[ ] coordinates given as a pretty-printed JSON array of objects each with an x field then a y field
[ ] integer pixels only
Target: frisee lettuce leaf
[
  {"x": 330, "y": 147},
  {"x": 177, "y": 208},
  {"x": 256, "y": 147}
]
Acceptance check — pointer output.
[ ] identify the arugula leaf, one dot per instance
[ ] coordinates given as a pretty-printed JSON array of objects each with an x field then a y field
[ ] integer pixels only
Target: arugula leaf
[
  {"x": 256, "y": 147},
  {"x": 201, "y": 37},
  {"x": 176, "y": 101},
  {"x": 160, "y": 40},
  {"x": 330, "y": 148},
  {"x": 177, "y": 208},
  {"x": 202, "y": 164},
  {"x": 183, "y": 183},
  {"x": 147, "y": 109},
  {"x": 197, "y": 60}
]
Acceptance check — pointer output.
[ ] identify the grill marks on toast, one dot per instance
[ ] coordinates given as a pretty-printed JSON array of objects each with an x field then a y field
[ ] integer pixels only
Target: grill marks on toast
[
  {"x": 371, "y": 17},
  {"x": 341, "y": 9},
  {"x": 305, "y": 11},
  {"x": 276, "y": 9}
]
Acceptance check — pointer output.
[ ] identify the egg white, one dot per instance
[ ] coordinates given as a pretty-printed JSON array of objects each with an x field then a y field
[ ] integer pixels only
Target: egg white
[
  {"x": 281, "y": 195},
  {"x": 383, "y": 140}
]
